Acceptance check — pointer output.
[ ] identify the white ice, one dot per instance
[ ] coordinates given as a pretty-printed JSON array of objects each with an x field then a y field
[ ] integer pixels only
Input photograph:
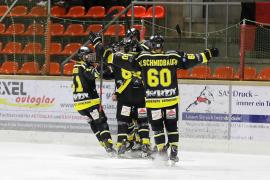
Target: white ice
[{"x": 53, "y": 161}]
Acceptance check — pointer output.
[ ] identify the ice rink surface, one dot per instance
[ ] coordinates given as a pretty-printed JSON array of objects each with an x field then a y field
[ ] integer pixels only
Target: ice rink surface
[{"x": 53, "y": 161}]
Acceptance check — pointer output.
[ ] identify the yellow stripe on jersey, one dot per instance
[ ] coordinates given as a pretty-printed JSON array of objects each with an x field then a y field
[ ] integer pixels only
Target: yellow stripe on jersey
[
  {"x": 153, "y": 55},
  {"x": 125, "y": 135},
  {"x": 75, "y": 70},
  {"x": 105, "y": 131},
  {"x": 160, "y": 134},
  {"x": 143, "y": 130},
  {"x": 161, "y": 102},
  {"x": 205, "y": 60},
  {"x": 123, "y": 86},
  {"x": 110, "y": 59},
  {"x": 81, "y": 105},
  {"x": 172, "y": 133},
  {"x": 209, "y": 52}
]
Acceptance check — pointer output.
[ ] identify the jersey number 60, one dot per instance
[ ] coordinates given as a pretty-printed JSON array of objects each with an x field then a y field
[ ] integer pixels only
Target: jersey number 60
[{"x": 162, "y": 77}]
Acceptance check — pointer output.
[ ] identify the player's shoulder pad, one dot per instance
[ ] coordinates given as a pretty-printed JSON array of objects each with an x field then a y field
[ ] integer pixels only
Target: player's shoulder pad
[
  {"x": 173, "y": 52},
  {"x": 119, "y": 53},
  {"x": 143, "y": 53},
  {"x": 80, "y": 64}
]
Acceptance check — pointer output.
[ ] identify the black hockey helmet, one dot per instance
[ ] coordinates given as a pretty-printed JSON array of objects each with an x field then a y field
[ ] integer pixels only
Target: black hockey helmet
[
  {"x": 156, "y": 41},
  {"x": 131, "y": 45},
  {"x": 86, "y": 54},
  {"x": 133, "y": 33}
]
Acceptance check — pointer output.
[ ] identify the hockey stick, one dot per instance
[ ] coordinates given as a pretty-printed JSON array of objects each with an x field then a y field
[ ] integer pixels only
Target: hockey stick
[
  {"x": 127, "y": 22},
  {"x": 102, "y": 59},
  {"x": 178, "y": 30},
  {"x": 101, "y": 67}
]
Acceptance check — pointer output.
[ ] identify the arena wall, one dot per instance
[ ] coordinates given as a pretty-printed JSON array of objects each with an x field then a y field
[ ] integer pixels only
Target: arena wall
[{"x": 225, "y": 116}]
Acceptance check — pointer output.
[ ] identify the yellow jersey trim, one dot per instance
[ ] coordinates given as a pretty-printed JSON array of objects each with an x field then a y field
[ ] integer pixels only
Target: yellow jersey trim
[
  {"x": 110, "y": 59},
  {"x": 81, "y": 105},
  {"x": 169, "y": 54},
  {"x": 205, "y": 60},
  {"x": 123, "y": 86},
  {"x": 161, "y": 102}
]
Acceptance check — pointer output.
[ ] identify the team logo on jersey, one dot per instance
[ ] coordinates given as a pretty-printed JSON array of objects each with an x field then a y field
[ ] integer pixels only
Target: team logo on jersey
[
  {"x": 156, "y": 114},
  {"x": 142, "y": 113},
  {"x": 161, "y": 93},
  {"x": 95, "y": 114},
  {"x": 170, "y": 113},
  {"x": 125, "y": 111},
  {"x": 80, "y": 96}
]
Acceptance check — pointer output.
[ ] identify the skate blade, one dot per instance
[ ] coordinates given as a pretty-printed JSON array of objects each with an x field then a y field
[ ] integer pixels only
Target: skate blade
[{"x": 171, "y": 163}]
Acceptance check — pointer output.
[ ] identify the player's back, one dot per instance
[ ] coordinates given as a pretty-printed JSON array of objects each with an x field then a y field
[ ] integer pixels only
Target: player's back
[{"x": 159, "y": 75}]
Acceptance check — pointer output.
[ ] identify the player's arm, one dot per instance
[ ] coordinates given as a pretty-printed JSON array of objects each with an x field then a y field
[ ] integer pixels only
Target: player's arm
[
  {"x": 189, "y": 60},
  {"x": 123, "y": 60},
  {"x": 108, "y": 72}
]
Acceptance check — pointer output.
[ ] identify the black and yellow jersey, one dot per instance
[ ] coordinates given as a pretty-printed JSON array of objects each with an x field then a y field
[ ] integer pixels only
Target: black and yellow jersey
[
  {"x": 84, "y": 86},
  {"x": 129, "y": 84},
  {"x": 158, "y": 72}
]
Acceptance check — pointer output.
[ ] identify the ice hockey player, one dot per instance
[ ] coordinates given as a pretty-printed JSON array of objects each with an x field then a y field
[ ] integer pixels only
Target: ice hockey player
[
  {"x": 130, "y": 102},
  {"x": 86, "y": 98},
  {"x": 158, "y": 70}
]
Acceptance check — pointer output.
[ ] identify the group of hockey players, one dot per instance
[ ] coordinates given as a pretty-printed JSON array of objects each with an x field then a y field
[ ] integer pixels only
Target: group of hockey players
[{"x": 146, "y": 92}]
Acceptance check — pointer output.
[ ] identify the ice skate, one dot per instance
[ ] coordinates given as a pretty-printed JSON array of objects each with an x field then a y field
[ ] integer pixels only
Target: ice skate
[
  {"x": 129, "y": 145},
  {"x": 146, "y": 151},
  {"x": 136, "y": 146},
  {"x": 108, "y": 145},
  {"x": 161, "y": 155},
  {"x": 173, "y": 155},
  {"x": 122, "y": 148}
]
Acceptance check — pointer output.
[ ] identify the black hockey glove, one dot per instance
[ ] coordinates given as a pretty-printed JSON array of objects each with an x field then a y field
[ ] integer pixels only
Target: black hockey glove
[
  {"x": 107, "y": 69},
  {"x": 95, "y": 38},
  {"x": 213, "y": 52}
]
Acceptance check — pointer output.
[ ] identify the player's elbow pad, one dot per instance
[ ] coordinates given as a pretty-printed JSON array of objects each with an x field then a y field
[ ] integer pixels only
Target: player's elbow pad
[{"x": 209, "y": 53}]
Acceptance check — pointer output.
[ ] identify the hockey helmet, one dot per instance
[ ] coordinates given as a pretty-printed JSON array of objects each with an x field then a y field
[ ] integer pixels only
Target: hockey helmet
[
  {"x": 131, "y": 45},
  {"x": 86, "y": 54},
  {"x": 157, "y": 42},
  {"x": 133, "y": 33}
]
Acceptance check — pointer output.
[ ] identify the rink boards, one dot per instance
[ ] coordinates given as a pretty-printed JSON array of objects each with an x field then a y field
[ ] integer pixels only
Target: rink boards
[{"x": 223, "y": 110}]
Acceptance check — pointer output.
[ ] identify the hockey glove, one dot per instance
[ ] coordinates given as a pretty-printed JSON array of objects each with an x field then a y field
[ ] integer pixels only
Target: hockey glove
[
  {"x": 107, "y": 70},
  {"x": 213, "y": 52},
  {"x": 95, "y": 38}
]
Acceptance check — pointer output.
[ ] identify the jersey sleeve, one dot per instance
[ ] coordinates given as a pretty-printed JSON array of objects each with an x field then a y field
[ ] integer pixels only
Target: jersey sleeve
[
  {"x": 108, "y": 72},
  {"x": 188, "y": 60},
  {"x": 102, "y": 52},
  {"x": 123, "y": 60}
]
